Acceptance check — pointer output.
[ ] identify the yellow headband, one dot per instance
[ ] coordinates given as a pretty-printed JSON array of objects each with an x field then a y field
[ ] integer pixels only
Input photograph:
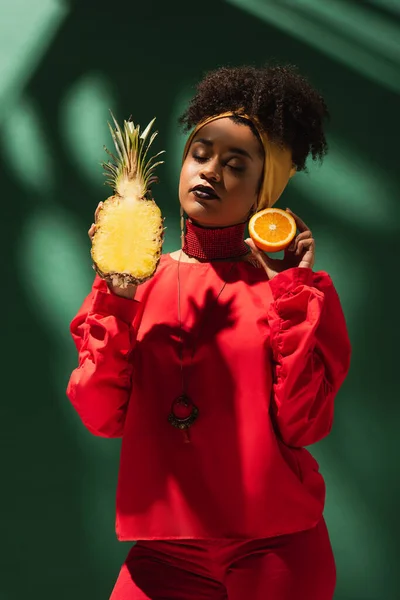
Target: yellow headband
[{"x": 278, "y": 166}]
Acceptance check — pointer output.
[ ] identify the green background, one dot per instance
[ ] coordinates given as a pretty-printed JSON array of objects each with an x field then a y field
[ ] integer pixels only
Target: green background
[{"x": 62, "y": 66}]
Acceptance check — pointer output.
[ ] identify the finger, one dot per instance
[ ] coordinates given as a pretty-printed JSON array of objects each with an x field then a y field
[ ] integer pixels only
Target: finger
[
  {"x": 92, "y": 230},
  {"x": 292, "y": 245},
  {"x": 304, "y": 245},
  {"x": 258, "y": 254},
  {"x": 302, "y": 236},
  {"x": 98, "y": 209},
  {"x": 301, "y": 226},
  {"x": 305, "y": 235}
]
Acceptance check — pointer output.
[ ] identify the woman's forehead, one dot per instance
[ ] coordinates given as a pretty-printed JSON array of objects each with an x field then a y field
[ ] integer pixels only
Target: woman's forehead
[{"x": 226, "y": 131}]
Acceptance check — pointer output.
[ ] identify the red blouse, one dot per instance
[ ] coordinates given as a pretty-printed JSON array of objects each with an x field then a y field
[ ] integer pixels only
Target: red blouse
[{"x": 269, "y": 359}]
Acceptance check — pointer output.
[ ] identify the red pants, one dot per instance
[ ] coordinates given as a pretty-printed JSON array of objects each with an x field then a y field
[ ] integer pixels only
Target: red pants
[{"x": 290, "y": 567}]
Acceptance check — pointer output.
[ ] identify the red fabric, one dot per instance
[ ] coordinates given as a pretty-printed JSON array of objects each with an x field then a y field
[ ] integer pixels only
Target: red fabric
[
  {"x": 213, "y": 244},
  {"x": 293, "y": 567},
  {"x": 270, "y": 359}
]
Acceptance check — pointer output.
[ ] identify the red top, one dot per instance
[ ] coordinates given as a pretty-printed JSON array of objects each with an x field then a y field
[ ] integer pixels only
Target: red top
[{"x": 270, "y": 357}]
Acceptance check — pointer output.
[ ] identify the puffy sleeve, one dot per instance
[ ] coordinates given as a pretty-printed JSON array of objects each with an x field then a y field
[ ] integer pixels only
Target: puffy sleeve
[
  {"x": 311, "y": 354},
  {"x": 99, "y": 388}
]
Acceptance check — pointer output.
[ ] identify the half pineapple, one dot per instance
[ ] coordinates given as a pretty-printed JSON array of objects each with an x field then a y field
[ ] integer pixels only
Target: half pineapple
[{"x": 127, "y": 244}]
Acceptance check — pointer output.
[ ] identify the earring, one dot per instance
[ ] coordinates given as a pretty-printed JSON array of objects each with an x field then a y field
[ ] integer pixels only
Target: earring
[
  {"x": 252, "y": 212},
  {"x": 182, "y": 214}
]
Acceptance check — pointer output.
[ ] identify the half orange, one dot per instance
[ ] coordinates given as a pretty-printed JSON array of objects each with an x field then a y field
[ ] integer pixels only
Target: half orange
[{"x": 272, "y": 229}]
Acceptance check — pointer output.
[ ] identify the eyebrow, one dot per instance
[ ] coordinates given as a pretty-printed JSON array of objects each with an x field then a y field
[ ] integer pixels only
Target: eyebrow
[{"x": 234, "y": 149}]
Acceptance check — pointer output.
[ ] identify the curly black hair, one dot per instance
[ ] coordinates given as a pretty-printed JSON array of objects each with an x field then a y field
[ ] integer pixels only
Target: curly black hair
[{"x": 289, "y": 109}]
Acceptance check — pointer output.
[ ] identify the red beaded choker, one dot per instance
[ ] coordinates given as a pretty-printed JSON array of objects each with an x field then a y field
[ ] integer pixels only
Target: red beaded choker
[{"x": 215, "y": 244}]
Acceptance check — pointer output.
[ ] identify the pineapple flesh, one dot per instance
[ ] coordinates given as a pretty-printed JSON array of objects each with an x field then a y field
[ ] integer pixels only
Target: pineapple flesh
[{"x": 127, "y": 244}]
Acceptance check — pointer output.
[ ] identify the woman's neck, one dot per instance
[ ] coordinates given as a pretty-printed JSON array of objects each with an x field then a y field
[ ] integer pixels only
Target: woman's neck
[{"x": 209, "y": 244}]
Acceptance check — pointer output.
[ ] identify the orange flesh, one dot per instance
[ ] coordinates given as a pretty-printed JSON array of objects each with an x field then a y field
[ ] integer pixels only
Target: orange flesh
[{"x": 273, "y": 227}]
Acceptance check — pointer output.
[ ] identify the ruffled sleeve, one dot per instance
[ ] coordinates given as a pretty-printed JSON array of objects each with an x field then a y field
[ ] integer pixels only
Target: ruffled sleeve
[
  {"x": 99, "y": 388},
  {"x": 311, "y": 354}
]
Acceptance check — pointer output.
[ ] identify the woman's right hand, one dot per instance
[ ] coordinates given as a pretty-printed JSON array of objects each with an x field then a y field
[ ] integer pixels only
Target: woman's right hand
[{"x": 128, "y": 292}]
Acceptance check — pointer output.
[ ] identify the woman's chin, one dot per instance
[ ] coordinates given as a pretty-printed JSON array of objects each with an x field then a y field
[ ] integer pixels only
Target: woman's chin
[
  {"x": 201, "y": 214},
  {"x": 204, "y": 223}
]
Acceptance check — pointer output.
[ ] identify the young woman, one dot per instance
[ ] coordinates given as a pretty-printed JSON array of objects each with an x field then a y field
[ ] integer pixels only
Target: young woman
[{"x": 220, "y": 369}]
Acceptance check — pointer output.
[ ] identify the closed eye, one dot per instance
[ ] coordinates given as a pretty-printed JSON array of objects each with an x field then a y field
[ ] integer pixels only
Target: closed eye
[
  {"x": 238, "y": 169},
  {"x": 203, "y": 159}
]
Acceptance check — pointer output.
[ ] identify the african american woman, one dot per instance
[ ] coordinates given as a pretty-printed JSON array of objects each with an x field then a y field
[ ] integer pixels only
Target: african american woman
[{"x": 246, "y": 350}]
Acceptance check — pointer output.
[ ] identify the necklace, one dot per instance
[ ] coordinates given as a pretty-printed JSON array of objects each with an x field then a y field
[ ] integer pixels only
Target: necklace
[
  {"x": 215, "y": 244},
  {"x": 183, "y": 410}
]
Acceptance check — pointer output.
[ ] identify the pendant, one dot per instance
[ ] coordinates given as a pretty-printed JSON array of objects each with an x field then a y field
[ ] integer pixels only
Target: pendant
[{"x": 183, "y": 413}]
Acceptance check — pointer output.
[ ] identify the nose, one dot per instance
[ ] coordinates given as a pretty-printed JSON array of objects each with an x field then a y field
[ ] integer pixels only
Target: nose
[{"x": 210, "y": 171}]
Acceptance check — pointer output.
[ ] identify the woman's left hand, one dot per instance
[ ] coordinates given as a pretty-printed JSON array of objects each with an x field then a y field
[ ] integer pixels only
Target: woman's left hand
[{"x": 300, "y": 253}]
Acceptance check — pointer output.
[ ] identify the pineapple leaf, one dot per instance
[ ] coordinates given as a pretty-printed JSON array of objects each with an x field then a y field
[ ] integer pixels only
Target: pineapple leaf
[
  {"x": 121, "y": 158},
  {"x": 153, "y": 137},
  {"x": 147, "y": 131},
  {"x": 151, "y": 166},
  {"x": 111, "y": 169},
  {"x": 120, "y": 139},
  {"x": 130, "y": 126},
  {"x": 131, "y": 169},
  {"x": 150, "y": 177},
  {"x": 115, "y": 159},
  {"x": 150, "y": 161}
]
